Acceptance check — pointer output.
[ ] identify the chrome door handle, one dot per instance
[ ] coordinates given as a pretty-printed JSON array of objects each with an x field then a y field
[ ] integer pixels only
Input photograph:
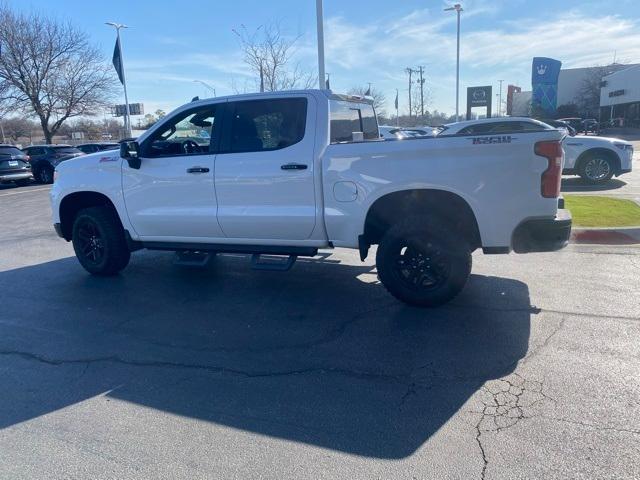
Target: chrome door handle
[
  {"x": 293, "y": 166},
  {"x": 197, "y": 170}
]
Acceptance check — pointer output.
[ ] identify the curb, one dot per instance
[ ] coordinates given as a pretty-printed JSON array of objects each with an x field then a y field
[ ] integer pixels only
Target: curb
[{"x": 606, "y": 236}]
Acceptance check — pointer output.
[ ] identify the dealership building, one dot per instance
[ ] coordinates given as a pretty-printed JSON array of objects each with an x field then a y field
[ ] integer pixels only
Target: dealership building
[
  {"x": 619, "y": 94},
  {"x": 620, "y": 97}
]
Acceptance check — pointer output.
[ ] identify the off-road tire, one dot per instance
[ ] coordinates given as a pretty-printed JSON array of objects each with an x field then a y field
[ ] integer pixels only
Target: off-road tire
[
  {"x": 109, "y": 253},
  {"x": 426, "y": 249}
]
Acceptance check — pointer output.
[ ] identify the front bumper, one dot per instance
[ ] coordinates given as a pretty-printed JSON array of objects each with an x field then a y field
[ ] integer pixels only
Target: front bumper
[{"x": 543, "y": 234}]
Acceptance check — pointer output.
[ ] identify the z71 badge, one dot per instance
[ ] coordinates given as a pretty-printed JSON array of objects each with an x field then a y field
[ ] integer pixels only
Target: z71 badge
[{"x": 489, "y": 140}]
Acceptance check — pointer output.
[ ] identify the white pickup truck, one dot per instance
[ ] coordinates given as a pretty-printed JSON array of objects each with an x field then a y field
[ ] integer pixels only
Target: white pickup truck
[{"x": 289, "y": 173}]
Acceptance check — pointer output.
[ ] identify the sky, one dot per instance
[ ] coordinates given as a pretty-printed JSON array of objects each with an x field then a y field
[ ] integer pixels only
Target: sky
[{"x": 170, "y": 44}]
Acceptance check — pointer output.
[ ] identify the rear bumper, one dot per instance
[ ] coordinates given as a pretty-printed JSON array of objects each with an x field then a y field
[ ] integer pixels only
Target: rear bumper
[
  {"x": 12, "y": 177},
  {"x": 543, "y": 234}
]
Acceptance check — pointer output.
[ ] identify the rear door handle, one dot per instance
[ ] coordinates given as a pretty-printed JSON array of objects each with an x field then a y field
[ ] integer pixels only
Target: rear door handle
[
  {"x": 293, "y": 166},
  {"x": 197, "y": 170}
]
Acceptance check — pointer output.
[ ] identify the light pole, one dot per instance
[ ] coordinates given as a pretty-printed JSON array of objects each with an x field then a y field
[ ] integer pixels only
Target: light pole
[
  {"x": 127, "y": 117},
  {"x": 458, "y": 8},
  {"x": 207, "y": 86},
  {"x": 320, "y": 27}
]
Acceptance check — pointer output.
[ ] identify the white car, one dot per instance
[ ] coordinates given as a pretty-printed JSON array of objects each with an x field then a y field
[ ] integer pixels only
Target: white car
[
  {"x": 391, "y": 133},
  {"x": 288, "y": 173},
  {"x": 595, "y": 159}
]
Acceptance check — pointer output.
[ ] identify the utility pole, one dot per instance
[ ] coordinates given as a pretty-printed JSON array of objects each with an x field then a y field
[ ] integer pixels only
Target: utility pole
[
  {"x": 421, "y": 82},
  {"x": 500, "y": 101},
  {"x": 410, "y": 71}
]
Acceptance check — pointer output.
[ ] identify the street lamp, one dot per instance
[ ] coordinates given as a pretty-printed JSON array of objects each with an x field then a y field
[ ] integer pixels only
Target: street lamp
[
  {"x": 458, "y": 8},
  {"x": 120, "y": 70},
  {"x": 320, "y": 28},
  {"x": 207, "y": 86}
]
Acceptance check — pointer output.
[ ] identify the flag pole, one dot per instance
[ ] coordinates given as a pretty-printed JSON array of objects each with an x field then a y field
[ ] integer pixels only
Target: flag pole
[
  {"x": 397, "y": 111},
  {"x": 127, "y": 115}
]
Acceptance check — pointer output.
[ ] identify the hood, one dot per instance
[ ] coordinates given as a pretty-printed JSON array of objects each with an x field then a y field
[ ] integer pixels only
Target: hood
[{"x": 595, "y": 141}]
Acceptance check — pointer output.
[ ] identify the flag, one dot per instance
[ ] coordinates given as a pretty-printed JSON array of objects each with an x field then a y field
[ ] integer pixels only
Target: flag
[
  {"x": 368, "y": 92},
  {"x": 396, "y": 102},
  {"x": 328, "y": 84},
  {"x": 117, "y": 61}
]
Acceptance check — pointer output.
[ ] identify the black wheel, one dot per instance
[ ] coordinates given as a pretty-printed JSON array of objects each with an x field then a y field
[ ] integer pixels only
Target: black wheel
[
  {"x": 423, "y": 263},
  {"x": 99, "y": 241},
  {"x": 596, "y": 169},
  {"x": 44, "y": 174}
]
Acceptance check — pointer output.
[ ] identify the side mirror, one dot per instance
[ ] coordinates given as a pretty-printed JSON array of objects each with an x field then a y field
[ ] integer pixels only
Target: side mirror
[{"x": 131, "y": 152}]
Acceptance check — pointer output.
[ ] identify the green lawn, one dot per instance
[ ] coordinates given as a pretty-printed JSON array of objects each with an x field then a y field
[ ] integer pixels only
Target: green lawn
[{"x": 594, "y": 211}]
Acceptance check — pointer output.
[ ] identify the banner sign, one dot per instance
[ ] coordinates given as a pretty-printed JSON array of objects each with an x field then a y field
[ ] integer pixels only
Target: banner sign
[
  {"x": 544, "y": 84},
  {"x": 511, "y": 90},
  {"x": 479, "y": 97}
]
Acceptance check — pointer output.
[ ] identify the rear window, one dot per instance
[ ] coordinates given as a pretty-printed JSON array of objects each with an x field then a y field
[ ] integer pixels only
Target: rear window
[
  {"x": 10, "y": 151},
  {"x": 349, "y": 117},
  {"x": 65, "y": 149}
]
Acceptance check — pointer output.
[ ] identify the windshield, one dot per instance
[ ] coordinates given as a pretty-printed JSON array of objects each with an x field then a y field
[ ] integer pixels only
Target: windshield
[
  {"x": 10, "y": 151},
  {"x": 65, "y": 150}
]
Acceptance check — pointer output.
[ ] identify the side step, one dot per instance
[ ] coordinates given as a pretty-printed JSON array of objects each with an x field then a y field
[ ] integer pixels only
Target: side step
[
  {"x": 282, "y": 265},
  {"x": 191, "y": 258}
]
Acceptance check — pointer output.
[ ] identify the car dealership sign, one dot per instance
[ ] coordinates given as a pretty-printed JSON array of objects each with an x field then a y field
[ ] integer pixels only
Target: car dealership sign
[{"x": 479, "y": 97}]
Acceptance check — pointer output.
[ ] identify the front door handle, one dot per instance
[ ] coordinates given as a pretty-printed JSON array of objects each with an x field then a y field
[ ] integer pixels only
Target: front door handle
[
  {"x": 197, "y": 170},
  {"x": 293, "y": 166}
]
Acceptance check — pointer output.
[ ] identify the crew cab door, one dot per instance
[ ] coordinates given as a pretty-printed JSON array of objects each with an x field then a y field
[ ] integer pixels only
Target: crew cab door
[
  {"x": 264, "y": 170},
  {"x": 171, "y": 195}
]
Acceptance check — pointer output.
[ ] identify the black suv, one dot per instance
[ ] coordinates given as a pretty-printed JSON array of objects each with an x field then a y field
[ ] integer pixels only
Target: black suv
[
  {"x": 14, "y": 166},
  {"x": 97, "y": 147},
  {"x": 45, "y": 158}
]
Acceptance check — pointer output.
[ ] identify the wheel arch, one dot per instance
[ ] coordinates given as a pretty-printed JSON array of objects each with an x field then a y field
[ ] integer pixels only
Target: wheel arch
[
  {"x": 607, "y": 152},
  {"x": 74, "y": 202},
  {"x": 448, "y": 207}
]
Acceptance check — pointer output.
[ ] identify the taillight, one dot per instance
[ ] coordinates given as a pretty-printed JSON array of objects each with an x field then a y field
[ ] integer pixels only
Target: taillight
[
  {"x": 552, "y": 176},
  {"x": 27, "y": 159}
]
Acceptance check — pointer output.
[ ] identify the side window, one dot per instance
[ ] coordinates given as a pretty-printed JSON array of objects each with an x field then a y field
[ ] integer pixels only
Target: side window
[
  {"x": 476, "y": 129},
  {"x": 349, "y": 117},
  {"x": 188, "y": 133},
  {"x": 265, "y": 125}
]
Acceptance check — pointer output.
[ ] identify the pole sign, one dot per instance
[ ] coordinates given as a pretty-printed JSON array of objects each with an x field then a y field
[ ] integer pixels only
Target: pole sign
[
  {"x": 121, "y": 110},
  {"x": 511, "y": 91},
  {"x": 479, "y": 97},
  {"x": 544, "y": 84}
]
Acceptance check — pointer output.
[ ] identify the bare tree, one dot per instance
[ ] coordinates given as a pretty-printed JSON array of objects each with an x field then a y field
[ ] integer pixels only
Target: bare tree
[
  {"x": 268, "y": 52},
  {"x": 17, "y": 127},
  {"x": 588, "y": 99},
  {"x": 379, "y": 99},
  {"x": 50, "y": 68}
]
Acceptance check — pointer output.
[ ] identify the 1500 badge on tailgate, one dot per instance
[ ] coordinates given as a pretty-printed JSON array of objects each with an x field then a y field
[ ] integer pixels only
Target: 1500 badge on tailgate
[{"x": 488, "y": 140}]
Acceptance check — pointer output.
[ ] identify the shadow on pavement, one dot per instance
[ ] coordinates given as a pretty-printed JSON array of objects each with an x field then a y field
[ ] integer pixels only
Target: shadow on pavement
[
  {"x": 576, "y": 184},
  {"x": 321, "y": 355}
]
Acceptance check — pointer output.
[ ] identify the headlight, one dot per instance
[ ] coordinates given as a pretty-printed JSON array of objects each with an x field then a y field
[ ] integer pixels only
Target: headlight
[{"x": 624, "y": 146}]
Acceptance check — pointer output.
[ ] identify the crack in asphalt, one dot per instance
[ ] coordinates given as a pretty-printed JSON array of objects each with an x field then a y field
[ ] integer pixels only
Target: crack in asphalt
[
  {"x": 592, "y": 425},
  {"x": 506, "y": 401},
  {"x": 360, "y": 374}
]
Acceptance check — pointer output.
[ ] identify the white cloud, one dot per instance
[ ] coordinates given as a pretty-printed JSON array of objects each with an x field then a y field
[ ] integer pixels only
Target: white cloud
[{"x": 379, "y": 52}]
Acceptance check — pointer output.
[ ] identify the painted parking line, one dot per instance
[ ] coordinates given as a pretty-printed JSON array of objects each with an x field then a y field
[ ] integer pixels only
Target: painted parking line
[{"x": 24, "y": 191}]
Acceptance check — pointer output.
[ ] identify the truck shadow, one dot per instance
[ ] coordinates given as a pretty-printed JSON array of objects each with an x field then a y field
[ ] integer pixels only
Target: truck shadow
[
  {"x": 321, "y": 355},
  {"x": 576, "y": 184}
]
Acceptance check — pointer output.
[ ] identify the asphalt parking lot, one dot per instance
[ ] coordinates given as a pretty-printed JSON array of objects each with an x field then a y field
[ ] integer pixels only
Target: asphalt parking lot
[{"x": 224, "y": 372}]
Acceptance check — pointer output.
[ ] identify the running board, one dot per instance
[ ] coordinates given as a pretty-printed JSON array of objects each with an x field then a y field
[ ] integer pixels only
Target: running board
[
  {"x": 284, "y": 265},
  {"x": 190, "y": 258}
]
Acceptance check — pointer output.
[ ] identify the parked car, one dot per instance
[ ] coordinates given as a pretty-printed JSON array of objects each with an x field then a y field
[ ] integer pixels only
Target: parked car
[
  {"x": 97, "y": 147},
  {"x": 418, "y": 132},
  {"x": 45, "y": 158},
  {"x": 14, "y": 166},
  {"x": 595, "y": 159},
  {"x": 574, "y": 122},
  {"x": 296, "y": 171},
  {"x": 563, "y": 126},
  {"x": 591, "y": 125},
  {"x": 391, "y": 133}
]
